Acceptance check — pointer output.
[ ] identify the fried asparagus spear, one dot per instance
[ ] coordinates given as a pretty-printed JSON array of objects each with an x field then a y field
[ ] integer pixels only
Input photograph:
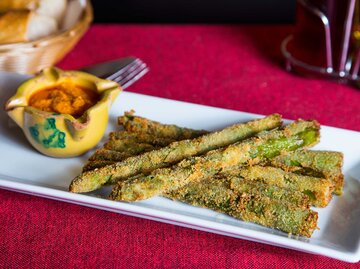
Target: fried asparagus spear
[
  {"x": 173, "y": 153},
  {"x": 268, "y": 206},
  {"x": 103, "y": 154},
  {"x": 133, "y": 123},
  {"x": 91, "y": 165},
  {"x": 122, "y": 145},
  {"x": 327, "y": 164},
  {"x": 125, "y": 145},
  {"x": 114, "y": 155},
  {"x": 140, "y": 137},
  {"x": 319, "y": 190},
  {"x": 300, "y": 134},
  {"x": 117, "y": 152}
]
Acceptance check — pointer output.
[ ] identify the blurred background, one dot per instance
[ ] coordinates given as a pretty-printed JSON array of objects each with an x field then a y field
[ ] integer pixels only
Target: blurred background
[{"x": 195, "y": 11}]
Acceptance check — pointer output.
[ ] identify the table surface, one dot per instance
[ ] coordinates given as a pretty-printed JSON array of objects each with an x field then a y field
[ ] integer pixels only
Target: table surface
[{"x": 229, "y": 66}]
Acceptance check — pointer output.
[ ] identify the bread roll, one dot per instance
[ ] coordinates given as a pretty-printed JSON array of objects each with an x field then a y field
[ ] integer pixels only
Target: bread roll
[
  {"x": 8, "y": 5},
  {"x": 73, "y": 13},
  {"x": 52, "y": 8},
  {"x": 24, "y": 25}
]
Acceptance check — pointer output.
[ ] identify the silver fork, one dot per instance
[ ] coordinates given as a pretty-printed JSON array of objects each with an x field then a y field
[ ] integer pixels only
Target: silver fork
[{"x": 124, "y": 71}]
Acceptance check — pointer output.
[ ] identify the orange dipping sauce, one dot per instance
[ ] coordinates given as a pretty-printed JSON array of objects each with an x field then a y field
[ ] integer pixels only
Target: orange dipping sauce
[{"x": 64, "y": 99}]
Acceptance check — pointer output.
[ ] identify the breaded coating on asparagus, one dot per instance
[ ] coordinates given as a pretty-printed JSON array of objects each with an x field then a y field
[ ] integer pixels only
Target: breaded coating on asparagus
[
  {"x": 141, "y": 138},
  {"x": 91, "y": 165},
  {"x": 133, "y": 123},
  {"x": 173, "y": 153},
  {"x": 300, "y": 134},
  {"x": 319, "y": 190},
  {"x": 113, "y": 155},
  {"x": 253, "y": 206},
  {"x": 242, "y": 185},
  {"x": 125, "y": 145},
  {"x": 122, "y": 145},
  {"x": 327, "y": 163},
  {"x": 103, "y": 154}
]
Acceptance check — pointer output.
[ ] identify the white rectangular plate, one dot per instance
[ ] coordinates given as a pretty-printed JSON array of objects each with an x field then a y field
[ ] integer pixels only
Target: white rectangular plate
[{"x": 22, "y": 169}]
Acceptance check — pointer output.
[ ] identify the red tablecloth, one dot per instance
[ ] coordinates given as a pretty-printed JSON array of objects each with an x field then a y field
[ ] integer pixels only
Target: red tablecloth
[{"x": 235, "y": 67}]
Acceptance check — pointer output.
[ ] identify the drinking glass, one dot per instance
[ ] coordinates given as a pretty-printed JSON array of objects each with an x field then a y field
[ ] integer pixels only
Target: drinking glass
[{"x": 326, "y": 40}]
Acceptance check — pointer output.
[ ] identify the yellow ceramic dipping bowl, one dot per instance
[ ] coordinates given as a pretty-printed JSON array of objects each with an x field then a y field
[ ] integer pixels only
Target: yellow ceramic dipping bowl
[{"x": 62, "y": 135}]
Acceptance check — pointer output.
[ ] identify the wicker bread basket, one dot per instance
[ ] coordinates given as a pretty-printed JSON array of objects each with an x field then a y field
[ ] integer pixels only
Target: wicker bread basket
[{"x": 31, "y": 57}]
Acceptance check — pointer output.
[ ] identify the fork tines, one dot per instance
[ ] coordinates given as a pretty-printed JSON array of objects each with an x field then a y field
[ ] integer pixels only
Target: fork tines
[{"x": 130, "y": 73}]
